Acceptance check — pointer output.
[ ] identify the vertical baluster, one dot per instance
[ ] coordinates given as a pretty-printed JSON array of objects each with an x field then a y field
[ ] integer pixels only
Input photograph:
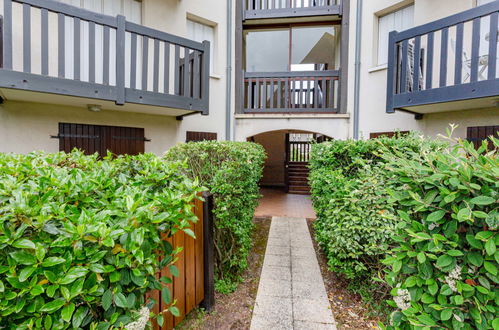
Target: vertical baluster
[
  {"x": 271, "y": 93},
  {"x": 250, "y": 93},
  {"x": 187, "y": 66},
  {"x": 264, "y": 93},
  {"x": 286, "y": 93},
  {"x": 492, "y": 46},
  {"x": 330, "y": 92},
  {"x": 458, "y": 73},
  {"x": 156, "y": 66},
  {"x": 106, "y": 57},
  {"x": 76, "y": 48},
  {"x": 429, "y": 61},
  {"x": 475, "y": 49},
  {"x": 257, "y": 94},
  {"x": 7, "y": 34},
  {"x": 177, "y": 70},
  {"x": 120, "y": 59},
  {"x": 145, "y": 61},
  {"x": 324, "y": 89},
  {"x": 417, "y": 60},
  {"x": 45, "y": 42},
  {"x": 91, "y": 51},
  {"x": 403, "y": 79},
  {"x": 443, "y": 57},
  {"x": 133, "y": 61},
  {"x": 307, "y": 93},
  {"x": 26, "y": 38},
  {"x": 279, "y": 92},
  {"x": 166, "y": 78},
  {"x": 61, "y": 46},
  {"x": 196, "y": 75}
]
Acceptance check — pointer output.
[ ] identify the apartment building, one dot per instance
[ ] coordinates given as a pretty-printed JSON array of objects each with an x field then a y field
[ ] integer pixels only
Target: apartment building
[{"x": 133, "y": 76}]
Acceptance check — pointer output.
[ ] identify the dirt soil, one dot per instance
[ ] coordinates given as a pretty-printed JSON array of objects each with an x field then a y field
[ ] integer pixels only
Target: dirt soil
[
  {"x": 348, "y": 308},
  {"x": 233, "y": 311}
]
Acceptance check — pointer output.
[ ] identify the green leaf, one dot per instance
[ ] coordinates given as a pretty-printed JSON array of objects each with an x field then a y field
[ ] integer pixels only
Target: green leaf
[
  {"x": 444, "y": 261},
  {"x": 189, "y": 232},
  {"x": 475, "y": 258},
  {"x": 79, "y": 316},
  {"x": 464, "y": 214},
  {"x": 166, "y": 295},
  {"x": 26, "y": 273},
  {"x": 97, "y": 268},
  {"x": 482, "y": 200},
  {"x": 166, "y": 280},
  {"x": 130, "y": 300},
  {"x": 48, "y": 322},
  {"x": 40, "y": 252},
  {"x": 107, "y": 299},
  {"x": 455, "y": 253},
  {"x": 458, "y": 300},
  {"x": 490, "y": 267},
  {"x": 421, "y": 257},
  {"x": 120, "y": 300},
  {"x": 73, "y": 274},
  {"x": 435, "y": 216},
  {"x": 175, "y": 311},
  {"x": 23, "y": 258},
  {"x": 446, "y": 314},
  {"x": 67, "y": 312},
  {"x": 174, "y": 270},
  {"x": 53, "y": 305},
  {"x": 474, "y": 242},
  {"x": 24, "y": 243},
  {"x": 490, "y": 247},
  {"x": 52, "y": 261},
  {"x": 114, "y": 277}
]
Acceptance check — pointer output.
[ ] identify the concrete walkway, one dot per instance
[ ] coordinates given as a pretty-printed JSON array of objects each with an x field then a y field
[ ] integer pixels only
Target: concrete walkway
[{"x": 291, "y": 293}]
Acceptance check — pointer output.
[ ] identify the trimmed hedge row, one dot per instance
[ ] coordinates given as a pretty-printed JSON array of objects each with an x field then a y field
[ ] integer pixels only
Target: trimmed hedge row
[
  {"x": 231, "y": 171},
  {"x": 80, "y": 237},
  {"x": 355, "y": 222}
]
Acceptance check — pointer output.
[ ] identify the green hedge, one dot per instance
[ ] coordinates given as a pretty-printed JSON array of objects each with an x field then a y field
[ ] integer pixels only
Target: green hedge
[
  {"x": 231, "y": 171},
  {"x": 354, "y": 223},
  {"x": 444, "y": 268},
  {"x": 80, "y": 237}
]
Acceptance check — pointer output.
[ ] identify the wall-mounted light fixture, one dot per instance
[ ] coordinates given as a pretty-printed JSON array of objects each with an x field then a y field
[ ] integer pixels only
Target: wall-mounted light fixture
[{"x": 94, "y": 107}]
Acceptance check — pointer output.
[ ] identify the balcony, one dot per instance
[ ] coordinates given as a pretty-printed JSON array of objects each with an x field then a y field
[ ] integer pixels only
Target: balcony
[
  {"x": 446, "y": 65},
  {"x": 291, "y": 92},
  {"x": 56, "y": 53},
  {"x": 264, "y": 9}
]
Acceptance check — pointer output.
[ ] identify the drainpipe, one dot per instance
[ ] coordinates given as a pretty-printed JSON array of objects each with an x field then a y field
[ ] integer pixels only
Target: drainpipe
[
  {"x": 358, "y": 44},
  {"x": 228, "y": 74}
]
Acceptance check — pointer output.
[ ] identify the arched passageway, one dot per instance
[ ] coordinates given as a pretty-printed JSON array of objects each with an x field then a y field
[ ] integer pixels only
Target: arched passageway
[{"x": 288, "y": 154}]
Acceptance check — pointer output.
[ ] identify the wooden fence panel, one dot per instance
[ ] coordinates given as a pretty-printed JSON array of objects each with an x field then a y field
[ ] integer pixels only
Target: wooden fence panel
[{"x": 188, "y": 289}]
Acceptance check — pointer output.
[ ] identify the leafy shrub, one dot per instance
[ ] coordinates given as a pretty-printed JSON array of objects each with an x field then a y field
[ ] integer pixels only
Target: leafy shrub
[
  {"x": 231, "y": 171},
  {"x": 444, "y": 267},
  {"x": 349, "y": 193},
  {"x": 80, "y": 237}
]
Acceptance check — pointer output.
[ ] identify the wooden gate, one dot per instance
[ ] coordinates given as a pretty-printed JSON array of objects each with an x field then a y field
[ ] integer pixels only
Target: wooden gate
[
  {"x": 296, "y": 166},
  {"x": 194, "y": 285}
]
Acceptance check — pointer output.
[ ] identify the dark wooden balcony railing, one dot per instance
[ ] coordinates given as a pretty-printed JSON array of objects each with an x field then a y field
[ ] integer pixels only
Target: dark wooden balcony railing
[
  {"x": 452, "y": 59},
  {"x": 291, "y": 92},
  {"x": 52, "y": 47},
  {"x": 258, "y": 9}
]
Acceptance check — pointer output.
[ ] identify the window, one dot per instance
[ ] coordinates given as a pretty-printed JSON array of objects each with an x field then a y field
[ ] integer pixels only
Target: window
[
  {"x": 131, "y": 9},
  {"x": 200, "y": 136},
  {"x": 399, "y": 20},
  {"x": 100, "y": 139},
  {"x": 296, "y": 48},
  {"x": 482, "y": 2},
  {"x": 200, "y": 32}
]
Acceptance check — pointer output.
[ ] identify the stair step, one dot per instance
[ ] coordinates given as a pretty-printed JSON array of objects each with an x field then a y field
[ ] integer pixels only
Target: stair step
[{"x": 299, "y": 188}]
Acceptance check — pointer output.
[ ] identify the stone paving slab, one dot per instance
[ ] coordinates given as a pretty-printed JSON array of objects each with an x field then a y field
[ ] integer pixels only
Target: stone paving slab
[{"x": 291, "y": 292}]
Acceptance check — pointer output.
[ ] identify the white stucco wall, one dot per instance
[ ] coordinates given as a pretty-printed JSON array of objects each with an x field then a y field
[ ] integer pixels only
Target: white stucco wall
[{"x": 27, "y": 126}]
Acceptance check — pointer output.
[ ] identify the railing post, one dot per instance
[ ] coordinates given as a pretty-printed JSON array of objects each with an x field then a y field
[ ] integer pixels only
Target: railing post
[
  {"x": 7, "y": 35},
  {"x": 205, "y": 78},
  {"x": 1, "y": 41},
  {"x": 120, "y": 59},
  {"x": 208, "y": 248},
  {"x": 392, "y": 72}
]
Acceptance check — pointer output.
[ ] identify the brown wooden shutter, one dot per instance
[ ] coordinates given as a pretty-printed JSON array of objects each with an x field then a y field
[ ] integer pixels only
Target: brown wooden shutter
[
  {"x": 478, "y": 134},
  {"x": 96, "y": 138},
  {"x": 387, "y": 134},
  {"x": 200, "y": 136}
]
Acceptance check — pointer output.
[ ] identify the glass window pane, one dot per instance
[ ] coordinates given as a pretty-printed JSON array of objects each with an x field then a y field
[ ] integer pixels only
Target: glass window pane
[
  {"x": 267, "y": 50},
  {"x": 200, "y": 32},
  {"x": 315, "y": 48},
  {"x": 399, "y": 20}
]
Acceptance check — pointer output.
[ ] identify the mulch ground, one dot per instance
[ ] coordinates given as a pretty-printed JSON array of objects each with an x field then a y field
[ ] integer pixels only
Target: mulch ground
[
  {"x": 348, "y": 309},
  {"x": 233, "y": 311}
]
